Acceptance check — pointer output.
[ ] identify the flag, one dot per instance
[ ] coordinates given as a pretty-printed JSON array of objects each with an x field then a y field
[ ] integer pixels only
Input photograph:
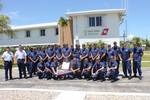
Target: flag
[{"x": 105, "y": 31}]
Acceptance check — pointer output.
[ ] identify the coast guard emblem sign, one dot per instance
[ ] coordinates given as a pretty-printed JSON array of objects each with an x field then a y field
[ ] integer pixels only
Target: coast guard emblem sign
[{"x": 105, "y": 31}]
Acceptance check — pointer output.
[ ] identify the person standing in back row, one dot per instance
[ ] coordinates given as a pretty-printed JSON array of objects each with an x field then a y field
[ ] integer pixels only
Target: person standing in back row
[
  {"x": 21, "y": 61},
  {"x": 137, "y": 59},
  {"x": 126, "y": 61},
  {"x": 116, "y": 50},
  {"x": 8, "y": 60}
]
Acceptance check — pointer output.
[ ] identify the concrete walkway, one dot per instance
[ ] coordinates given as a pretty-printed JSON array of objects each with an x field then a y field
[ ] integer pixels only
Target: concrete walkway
[{"x": 35, "y": 89}]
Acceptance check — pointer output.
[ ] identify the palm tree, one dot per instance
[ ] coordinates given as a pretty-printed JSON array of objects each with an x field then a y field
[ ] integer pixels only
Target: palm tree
[
  {"x": 62, "y": 21},
  {"x": 5, "y": 25},
  {"x": 62, "y": 28},
  {"x": 65, "y": 29}
]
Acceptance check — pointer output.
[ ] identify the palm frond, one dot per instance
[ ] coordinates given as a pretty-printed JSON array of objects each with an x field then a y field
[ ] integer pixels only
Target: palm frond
[{"x": 62, "y": 21}]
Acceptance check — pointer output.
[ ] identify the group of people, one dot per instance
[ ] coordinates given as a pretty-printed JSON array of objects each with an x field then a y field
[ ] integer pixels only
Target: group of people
[{"x": 88, "y": 63}]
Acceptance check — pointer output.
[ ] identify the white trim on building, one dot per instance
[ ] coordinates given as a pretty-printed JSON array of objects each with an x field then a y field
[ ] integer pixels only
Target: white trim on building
[
  {"x": 33, "y": 26},
  {"x": 91, "y": 12}
]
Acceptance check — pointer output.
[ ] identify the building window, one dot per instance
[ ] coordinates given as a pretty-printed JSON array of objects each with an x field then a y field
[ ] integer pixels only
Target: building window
[
  {"x": 27, "y": 34},
  {"x": 91, "y": 21},
  {"x": 42, "y": 32},
  {"x": 99, "y": 21},
  {"x": 95, "y": 21},
  {"x": 56, "y": 31}
]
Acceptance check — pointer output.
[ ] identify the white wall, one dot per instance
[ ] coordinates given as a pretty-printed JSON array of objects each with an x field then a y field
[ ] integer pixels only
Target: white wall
[
  {"x": 105, "y": 40},
  {"x": 35, "y": 38},
  {"x": 81, "y": 27}
]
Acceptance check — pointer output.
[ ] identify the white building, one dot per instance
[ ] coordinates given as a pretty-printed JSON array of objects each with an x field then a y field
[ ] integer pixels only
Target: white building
[
  {"x": 37, "y": 34},
  {"x": 88, "y": 26}
]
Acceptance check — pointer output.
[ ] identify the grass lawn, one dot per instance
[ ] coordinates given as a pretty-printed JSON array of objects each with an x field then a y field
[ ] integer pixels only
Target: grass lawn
[
  {"x": 146, "y": 58},
  {"x": 146, "y": 52},
  {"x": 145, "y": 64}
]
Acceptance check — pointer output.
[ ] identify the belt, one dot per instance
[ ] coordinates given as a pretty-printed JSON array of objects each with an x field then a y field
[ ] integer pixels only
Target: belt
[
  {"x": 7, "y": 61},
  {"x": 20, "y": 59}
]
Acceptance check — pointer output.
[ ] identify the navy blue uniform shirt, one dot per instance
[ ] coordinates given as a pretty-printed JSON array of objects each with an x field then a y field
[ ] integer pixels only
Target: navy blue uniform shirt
[
  {"x": 75, "y": 63},
  {"x": 41, "y": 66},
  {"x": 125, "y": 53},
  {"x": 137, "y": 54}
]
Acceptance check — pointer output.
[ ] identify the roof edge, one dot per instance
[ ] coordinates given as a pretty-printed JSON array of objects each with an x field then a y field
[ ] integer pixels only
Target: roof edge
[
  {"x": 32, "y": 26},
  {"x": 102, "y": 11}
]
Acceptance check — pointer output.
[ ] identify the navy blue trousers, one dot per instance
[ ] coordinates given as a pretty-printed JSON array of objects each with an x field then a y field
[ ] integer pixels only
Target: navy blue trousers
[
  {"x": 21, "y": 68},
  {"x": 86, "y": 74},
  {"x": 137, "y": 67},
  {"x": 40, "y": 75},
  {"x": 32, "y": 68},
  {"x": 8, "y": 68},
  {"x": 100, "y": 75},
  {"x": 113, "y": 74},
  {"x": 127, "y": 68}
]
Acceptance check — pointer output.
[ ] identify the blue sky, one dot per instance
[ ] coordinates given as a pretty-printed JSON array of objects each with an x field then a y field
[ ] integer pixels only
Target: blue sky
[{"x": 24, "y": 12}]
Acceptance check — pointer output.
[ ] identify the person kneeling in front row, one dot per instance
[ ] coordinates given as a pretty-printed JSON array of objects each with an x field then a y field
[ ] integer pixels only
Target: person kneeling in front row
[
  {"x": 86, "y": 71},
  {"x": 54, "y": 67},
  {"x": 98, "y": 71},
  {"x": 75, "y": 68},
  {"x": 112, "y": 71},
  {"x": 48, "y": 71},
  {"x": 41, "y": 70}
]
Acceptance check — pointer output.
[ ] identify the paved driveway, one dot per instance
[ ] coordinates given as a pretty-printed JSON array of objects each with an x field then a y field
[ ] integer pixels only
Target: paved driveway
[{"x": 93, "y": 89}]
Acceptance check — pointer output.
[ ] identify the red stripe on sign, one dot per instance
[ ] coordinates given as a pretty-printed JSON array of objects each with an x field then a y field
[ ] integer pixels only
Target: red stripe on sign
[{"x": 105, "y": 31}]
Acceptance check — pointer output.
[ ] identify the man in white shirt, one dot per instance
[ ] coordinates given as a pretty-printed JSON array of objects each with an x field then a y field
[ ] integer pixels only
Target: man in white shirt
[
  {"x": 21, "y": 61},
  {"x": 8, "y": 59}
]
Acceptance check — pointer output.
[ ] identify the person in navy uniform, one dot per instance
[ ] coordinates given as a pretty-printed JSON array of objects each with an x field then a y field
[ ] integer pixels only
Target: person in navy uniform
[
  {"x": 41, "y": 69},
  {"x": 33, "y": 57},
  {"x": 54, "y": 67},
  {"x": 84, "y": 52},
  {"x": 98, "y": 70},
  {"x": 126, "y": 61},
  {"x": 28, "y": 60},
  {"x": 66, "y": 52},
  {"x": 137, "y": 58},
  {"x": 48, "y": 71},
  {"x": 77, "y": 51},
  {"x": 94, "y": 53},
  {"x": 117, "y": 54},
  {"x": 58, "y": 53},
  {"x": 110, "y": 53},
  {"x": 112, "y": 72},
  {"x": 103, "y": 54},
  {"x": 75, "y": 68},
  {"x": 21, "y": 57},
  {"x": 84, "y": 55},
  {"x": 72, "y": 48},
  {"x": 42, "y": 54},
  {"x": 50, "y": 52},
  {"x": 7, "y": 57},
  {"x": 90, "y": 47},
  {"x": 86, "y": 71}
]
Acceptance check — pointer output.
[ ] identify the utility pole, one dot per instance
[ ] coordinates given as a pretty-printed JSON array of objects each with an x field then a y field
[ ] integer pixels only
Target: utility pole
[
  {"x": 126, "y": 18},
  {"x": 124, "y": 5}
]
